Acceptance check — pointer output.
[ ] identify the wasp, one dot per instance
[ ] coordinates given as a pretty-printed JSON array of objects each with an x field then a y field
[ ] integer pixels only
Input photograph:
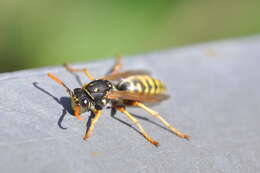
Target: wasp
[{"x": 118, "y": 90}]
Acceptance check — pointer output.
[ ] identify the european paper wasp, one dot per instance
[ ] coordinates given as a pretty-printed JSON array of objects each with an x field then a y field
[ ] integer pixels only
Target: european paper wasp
[{"x": 118, "y": 90}]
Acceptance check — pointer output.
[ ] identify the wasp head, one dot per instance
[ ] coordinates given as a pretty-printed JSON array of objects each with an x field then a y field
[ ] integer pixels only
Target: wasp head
[
  {"x": 82, "y": 99},
  {"x": 90, "y": 97}
]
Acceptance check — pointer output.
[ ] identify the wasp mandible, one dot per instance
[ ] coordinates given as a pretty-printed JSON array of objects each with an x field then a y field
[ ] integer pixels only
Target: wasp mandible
[{"x": 118, "y": 90}]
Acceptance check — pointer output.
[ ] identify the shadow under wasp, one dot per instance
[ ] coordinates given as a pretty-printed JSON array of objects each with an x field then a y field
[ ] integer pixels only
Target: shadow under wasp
[{"x": 118, "y": 90}]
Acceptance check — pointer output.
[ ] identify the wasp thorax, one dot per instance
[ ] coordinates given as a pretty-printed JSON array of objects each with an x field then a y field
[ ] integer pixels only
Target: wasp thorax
[
  {"x": 97, "y": 90},
  {"x": 91, "y": 96}
]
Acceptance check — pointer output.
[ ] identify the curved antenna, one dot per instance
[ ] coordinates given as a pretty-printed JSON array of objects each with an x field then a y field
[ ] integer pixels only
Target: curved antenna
[{"x": 60, "y": 83}]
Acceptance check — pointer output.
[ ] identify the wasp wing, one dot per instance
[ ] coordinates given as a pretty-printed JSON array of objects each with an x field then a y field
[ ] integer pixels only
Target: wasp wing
[
  {"x": 141, "y": 97},
  {"x": 125, "y": 74}
]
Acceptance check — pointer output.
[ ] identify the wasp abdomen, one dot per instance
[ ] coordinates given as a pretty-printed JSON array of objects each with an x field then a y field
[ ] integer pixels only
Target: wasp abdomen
[{"x": 141, "y": 84}]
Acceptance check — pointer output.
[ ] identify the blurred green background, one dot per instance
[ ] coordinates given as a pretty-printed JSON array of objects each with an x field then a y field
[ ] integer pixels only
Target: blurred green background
[{"x": 36, "y": 33}]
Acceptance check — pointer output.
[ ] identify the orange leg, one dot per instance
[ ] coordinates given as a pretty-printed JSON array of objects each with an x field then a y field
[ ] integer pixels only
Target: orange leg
[
  {"x": 71, "y": 69},
  {"x": 118, "y": 65},
  {"x": 77, "y": 112},
  {"x": 146, "y": 136},
  {"x": 157, "y": 115},
  {"x": 92, "y": 125}
]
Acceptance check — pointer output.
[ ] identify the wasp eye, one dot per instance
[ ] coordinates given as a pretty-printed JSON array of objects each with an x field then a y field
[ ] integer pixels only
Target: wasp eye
[{"x": 84, "y": 102}]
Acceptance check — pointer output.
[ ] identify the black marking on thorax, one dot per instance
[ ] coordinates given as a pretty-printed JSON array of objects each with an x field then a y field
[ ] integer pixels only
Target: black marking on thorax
[{"x": 98, "y": 88}]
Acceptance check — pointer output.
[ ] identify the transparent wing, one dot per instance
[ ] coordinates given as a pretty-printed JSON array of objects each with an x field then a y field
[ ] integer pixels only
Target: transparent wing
[
  {"x": 125, "y": 74},
  {"x": 126, "y": 95}
]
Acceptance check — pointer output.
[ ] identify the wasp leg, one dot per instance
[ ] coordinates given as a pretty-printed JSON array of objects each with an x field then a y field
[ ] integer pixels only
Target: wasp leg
[
  {"x": 92, "y": 125},
  {"x": 157, "y": 115},
  {"x": 71, "y": 69},
  {"x": 118, "y": 65},
  {"x": 136, "y": 122},
  {"x": 77, "y": 112}
]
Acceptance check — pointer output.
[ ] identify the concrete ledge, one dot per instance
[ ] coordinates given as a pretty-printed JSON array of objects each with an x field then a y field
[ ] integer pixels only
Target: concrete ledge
[{"x": 215, "y": 99}]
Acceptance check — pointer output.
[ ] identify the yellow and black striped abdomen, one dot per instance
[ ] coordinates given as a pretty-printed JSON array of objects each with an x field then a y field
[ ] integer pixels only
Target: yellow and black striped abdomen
[{"x": 141, "y": 84}]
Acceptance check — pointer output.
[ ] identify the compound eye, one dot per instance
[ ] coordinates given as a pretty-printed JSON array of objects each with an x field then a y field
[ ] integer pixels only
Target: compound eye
[{"x": 84, "y": 102}]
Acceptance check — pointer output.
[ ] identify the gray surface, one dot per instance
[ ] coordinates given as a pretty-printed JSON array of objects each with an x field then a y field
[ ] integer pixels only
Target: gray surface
[{"x": 215, "y": 99}]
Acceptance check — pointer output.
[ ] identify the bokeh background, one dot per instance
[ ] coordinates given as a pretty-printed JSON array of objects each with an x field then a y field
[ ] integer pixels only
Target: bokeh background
[{"x": 35, "y": 33}]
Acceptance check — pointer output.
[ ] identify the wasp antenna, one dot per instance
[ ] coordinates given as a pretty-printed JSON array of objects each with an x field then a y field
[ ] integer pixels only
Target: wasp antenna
[{"x": 59, "y": 82}]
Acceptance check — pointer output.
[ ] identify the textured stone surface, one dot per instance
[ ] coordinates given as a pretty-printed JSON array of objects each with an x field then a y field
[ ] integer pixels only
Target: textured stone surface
[{"x": 215, "y": 99}]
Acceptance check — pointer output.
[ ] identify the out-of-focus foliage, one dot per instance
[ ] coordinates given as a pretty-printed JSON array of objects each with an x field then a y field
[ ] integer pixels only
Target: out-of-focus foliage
[{"x": 36, "y": 33}]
